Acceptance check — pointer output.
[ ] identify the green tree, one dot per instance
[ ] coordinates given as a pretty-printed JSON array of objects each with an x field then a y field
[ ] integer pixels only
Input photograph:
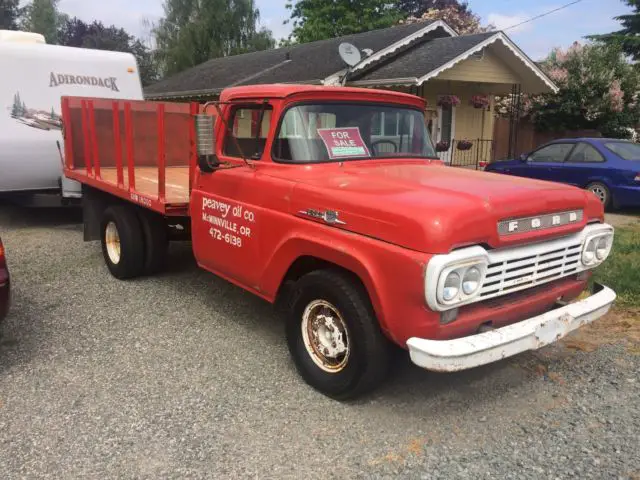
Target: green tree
[
  {"x": 321, "y": 19},
  {"x": 193, "y": 32},
  {"x": 629, "y": 36},
  {"x": 16, "y": 108},
  {"x": 42, "y": 16},
  {"x": 73, "y": 32},
  {"x": 10, "y": 13}
]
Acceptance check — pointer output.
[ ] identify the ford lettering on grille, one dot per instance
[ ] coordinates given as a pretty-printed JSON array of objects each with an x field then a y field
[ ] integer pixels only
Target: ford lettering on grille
[{"x": 540, "y": 222}]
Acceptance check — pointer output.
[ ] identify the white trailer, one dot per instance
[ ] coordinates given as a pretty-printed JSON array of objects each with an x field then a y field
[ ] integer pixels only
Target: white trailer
[{"x": 33, "y": 78}]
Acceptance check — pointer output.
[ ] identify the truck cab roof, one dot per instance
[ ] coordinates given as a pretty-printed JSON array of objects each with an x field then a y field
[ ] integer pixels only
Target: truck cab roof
[{"x": 283, "y": 90}]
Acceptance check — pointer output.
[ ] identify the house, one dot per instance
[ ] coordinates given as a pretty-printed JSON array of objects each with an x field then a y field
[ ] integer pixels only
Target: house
[{"x": 458, "y": 75}]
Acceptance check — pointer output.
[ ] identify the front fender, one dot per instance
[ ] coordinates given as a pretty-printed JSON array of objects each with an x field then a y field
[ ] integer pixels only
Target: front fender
[
  {"x": 330, "y": 248},
  {"x": 393, "y": 276}
]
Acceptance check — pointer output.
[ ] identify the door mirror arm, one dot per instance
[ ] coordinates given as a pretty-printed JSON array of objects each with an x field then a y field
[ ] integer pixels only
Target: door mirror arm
[{"x": 208, "y": 163}]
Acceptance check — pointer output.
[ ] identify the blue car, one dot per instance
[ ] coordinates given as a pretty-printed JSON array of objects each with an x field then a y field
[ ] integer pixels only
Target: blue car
[{"x": 610, "y": 168}]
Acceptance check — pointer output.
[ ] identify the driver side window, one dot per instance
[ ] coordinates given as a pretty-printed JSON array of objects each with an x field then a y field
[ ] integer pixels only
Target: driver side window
[{"x": 555, "y": 153}]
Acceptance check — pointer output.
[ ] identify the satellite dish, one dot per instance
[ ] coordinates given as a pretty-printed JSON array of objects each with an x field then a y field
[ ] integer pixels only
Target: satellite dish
[{"x": 349, "y": 54}]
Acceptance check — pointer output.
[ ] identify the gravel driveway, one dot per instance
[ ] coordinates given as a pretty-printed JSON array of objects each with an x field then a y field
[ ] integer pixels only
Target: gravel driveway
[{"x": 186, "y": 376}]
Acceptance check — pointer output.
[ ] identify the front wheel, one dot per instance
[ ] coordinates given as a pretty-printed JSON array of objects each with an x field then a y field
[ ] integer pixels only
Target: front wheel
[{"x": 334, "y": 336}]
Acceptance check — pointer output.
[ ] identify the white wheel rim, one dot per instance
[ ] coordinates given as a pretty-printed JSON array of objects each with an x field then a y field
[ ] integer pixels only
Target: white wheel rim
[
  {"x": 325, "y": 336},
  {"x": 112, "y": 240},
  {"x": 600, "y": 192}
]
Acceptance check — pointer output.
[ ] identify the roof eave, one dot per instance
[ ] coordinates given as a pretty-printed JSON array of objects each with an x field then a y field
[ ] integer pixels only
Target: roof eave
[
  {"x": 405, "y": 41},
  {"x": 385, "y": 82}
]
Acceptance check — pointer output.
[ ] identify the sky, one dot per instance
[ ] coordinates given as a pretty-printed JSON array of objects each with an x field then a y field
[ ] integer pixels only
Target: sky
[{"x": 536, "y": 38}]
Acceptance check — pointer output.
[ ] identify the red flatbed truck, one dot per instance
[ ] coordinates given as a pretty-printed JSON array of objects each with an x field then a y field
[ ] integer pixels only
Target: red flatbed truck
[{"x": 366, "y": 239}]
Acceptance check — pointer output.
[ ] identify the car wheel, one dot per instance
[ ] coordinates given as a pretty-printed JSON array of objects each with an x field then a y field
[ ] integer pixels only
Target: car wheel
[
  {"x": 122, "y": 242},
  {"x": 601, "y": 191},
  {"x": 334, "y": 337}
]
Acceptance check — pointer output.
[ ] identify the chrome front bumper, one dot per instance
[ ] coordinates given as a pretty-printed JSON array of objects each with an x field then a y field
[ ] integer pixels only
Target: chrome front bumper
[{"x": 530, "y": 334}]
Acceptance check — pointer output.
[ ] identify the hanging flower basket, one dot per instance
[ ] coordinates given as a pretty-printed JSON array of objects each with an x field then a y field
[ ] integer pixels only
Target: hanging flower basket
[
  {"x": 442, "y": 146},
  {"x": 465, "y": 145},
  {"x": 448, "y": 101},
  {"x": 479, "y": 101}
]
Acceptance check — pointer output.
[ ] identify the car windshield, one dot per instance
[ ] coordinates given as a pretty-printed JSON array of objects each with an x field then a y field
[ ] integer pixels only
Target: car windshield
[
  {"x": 329, "y": 132},
  {"x": 626, "y": 150}
]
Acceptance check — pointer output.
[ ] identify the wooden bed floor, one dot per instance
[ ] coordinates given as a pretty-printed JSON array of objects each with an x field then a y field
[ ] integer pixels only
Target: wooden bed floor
[{"x": 146, "y": 182}]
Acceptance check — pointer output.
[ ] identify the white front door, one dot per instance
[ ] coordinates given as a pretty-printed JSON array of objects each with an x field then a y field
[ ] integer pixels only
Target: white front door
[{"x": 446, "y": 130}]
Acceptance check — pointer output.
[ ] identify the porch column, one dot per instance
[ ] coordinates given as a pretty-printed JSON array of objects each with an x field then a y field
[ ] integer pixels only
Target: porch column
[{"x": 514, "y": 118}]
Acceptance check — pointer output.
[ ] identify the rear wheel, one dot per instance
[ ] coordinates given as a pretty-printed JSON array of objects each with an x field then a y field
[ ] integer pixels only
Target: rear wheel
[
  {"x": 122, "y": 242},
  {"x": 601, "y": 191},
  {"x": 156, "y": 241},
  {"x": 334, "y": 336}
]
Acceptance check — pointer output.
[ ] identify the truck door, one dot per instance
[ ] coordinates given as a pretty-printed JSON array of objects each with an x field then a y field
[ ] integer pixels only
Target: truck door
[{"x": 226, "y": 219}]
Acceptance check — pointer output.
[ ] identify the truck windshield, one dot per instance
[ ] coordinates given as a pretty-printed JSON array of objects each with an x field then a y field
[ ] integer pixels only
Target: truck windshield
[{"x": 329, "y": 132}]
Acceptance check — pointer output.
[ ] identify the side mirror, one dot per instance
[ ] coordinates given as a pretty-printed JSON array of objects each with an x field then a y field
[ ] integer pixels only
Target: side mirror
[
  {"x": 524, "y": 157},
  {"x": 206, "y": 143}
]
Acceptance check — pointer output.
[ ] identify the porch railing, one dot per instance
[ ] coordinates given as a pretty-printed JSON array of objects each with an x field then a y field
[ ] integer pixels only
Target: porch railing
[{"x": 475, "y": 154}]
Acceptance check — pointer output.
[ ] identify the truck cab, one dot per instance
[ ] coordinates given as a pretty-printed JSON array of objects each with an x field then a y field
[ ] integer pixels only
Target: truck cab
[{"x": 370, "y": 242}]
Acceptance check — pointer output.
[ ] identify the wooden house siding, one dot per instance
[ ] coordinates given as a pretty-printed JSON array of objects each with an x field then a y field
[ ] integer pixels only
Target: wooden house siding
[{"x": 488, "y": 69}]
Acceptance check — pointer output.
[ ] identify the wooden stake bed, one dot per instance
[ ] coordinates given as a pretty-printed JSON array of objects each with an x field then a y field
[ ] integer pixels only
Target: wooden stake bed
[
  {"x": 143, "y": 152},
  {"x": 146, "y": 180}
]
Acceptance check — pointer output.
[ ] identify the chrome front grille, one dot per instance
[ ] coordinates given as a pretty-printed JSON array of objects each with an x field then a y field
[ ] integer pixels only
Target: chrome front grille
[
  {"x": 511, "y": 274},
  {"x": 512, "y": 269}
]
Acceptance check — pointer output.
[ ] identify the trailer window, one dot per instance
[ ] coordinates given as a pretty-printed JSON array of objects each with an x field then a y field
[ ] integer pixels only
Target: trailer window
[
  {"x": 244, "y": 125},
  {"x": 327, "y": 132}
]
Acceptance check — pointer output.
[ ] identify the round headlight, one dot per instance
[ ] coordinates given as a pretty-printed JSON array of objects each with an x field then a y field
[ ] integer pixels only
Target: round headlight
[
  {"x": 589, "y": 253},
  {"x": 601, "y": 248},
  {"x": 451, "y": 287},
  {"x": 471, "y": 280}
]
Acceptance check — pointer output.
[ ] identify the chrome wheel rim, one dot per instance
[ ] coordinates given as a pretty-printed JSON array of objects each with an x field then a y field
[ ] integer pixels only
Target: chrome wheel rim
[
  {"x": 112, "y": 240},
  {"x": 600, "y": 192},
  {"x": 325, "y": 336}
]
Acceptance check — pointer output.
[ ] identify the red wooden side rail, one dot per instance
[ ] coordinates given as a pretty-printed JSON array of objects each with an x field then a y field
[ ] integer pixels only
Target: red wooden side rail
[{"x": 103, "y": 137}]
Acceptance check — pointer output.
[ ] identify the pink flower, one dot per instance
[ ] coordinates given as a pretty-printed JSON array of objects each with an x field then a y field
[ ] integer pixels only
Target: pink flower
[
  {"x": 574, "y": 49},
  {"x": 616, "y": 96},
  {"x": 558, "y": 74},
  {"x": 561, "y": 57}
]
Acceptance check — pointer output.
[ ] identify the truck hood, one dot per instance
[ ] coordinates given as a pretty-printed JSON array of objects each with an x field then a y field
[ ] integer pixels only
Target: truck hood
[{"x": 432, "y": 208}]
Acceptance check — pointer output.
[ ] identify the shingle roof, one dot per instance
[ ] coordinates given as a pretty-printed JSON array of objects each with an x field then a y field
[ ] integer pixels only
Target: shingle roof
[
  {"x": 309, "y": 62},
  {"x": 423, "y": 58}
]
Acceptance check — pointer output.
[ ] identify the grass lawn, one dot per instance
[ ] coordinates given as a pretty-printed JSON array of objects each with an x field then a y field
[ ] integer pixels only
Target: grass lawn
[{"x": 621, "y": 271}]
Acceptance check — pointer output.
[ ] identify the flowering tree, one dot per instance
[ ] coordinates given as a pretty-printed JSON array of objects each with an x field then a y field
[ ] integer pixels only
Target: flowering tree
[
  {"x": 598, "y": 89},
  {"x": 457, "y": 15}
]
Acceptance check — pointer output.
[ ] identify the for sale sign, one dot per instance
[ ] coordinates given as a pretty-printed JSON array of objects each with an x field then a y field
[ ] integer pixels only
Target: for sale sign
[{"x": 344, "y": 142}]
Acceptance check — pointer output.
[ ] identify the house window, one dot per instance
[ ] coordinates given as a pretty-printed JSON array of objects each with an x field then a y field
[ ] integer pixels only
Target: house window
[
  {"x": 385, "y": 124},
  {"x": 447, "y": 123}
]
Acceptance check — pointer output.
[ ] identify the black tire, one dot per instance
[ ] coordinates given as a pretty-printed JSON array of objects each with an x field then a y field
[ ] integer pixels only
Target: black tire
[
  {"x": 603, "y": 193},
  {"x": 129, "y": 231},
  {"x": 156, "y": 242},
  {"x": 367, "y": 362}
]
